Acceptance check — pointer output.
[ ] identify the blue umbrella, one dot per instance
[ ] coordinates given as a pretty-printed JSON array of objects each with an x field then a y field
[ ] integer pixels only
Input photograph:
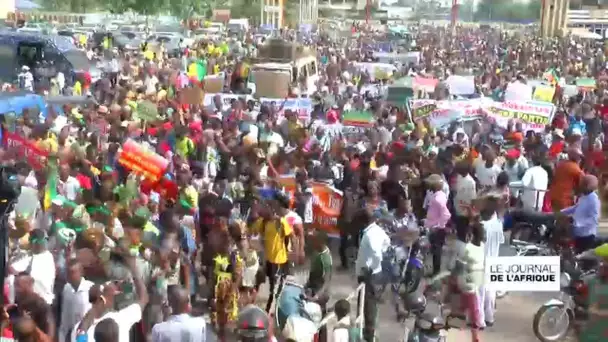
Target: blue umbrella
[{"x": 26, "y": 5}]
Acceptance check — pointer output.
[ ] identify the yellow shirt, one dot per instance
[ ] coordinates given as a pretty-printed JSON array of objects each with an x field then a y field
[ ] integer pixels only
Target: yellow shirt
[
  {"x": 184, "y": 147},
  {"x": 77, "y": 88},
  {"x": 275, "y": 249},
  {"x": 191, "y": 195}
]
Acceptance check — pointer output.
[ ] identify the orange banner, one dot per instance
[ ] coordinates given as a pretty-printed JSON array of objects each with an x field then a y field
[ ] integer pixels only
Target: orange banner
[
  {"x": 142, "y": 161},
  {"x": 327, "y": 203}
]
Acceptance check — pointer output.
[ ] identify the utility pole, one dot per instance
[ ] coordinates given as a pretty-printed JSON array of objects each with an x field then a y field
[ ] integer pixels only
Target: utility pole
[
  {"x": 368, "y": 8},
  {"x": 454, "y": 15}
]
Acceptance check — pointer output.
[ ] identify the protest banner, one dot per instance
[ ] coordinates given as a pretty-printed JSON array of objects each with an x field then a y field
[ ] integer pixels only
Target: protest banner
[
  {"x": 327, "y": 202},
  {"x": 138, "y": 159},
  {"x": 441, "y": 113},
  {"x": 301, "y": 106},
  {"x": 23, "y": 149},
  {"x": 533, "y": 115},
  {"x": 358, "y": 118},
  {"x": 421, "y": 108}
]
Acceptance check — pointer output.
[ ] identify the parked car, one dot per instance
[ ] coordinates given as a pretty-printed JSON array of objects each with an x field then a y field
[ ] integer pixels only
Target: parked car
[
  {"x": 19, "y": 49},
  {"x": 173, "y": 45}
]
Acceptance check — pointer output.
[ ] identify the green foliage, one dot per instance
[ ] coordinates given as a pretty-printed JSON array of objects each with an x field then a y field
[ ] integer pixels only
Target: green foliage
[{"x": 500, "y": 10}]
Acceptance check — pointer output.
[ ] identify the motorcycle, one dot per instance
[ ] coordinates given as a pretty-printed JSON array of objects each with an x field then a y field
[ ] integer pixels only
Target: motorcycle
[
  {"x": 571, "y": 304},
  {"x": 431, "y": 319},
  {"x": 403, "y": 267},
  {"x": 530, "y": 225},
  {"x": 297, "y": 318}
]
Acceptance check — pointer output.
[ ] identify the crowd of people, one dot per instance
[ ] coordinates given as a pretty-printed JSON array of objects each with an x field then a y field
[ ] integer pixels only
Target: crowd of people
[{"x": 140, "y": 224}]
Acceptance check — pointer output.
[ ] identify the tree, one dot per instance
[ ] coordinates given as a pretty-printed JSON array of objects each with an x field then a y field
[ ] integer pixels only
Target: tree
[{"x": 499, "y": 10}]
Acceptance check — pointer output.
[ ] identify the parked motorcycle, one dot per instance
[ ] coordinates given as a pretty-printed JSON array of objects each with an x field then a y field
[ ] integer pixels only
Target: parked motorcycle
[
  {"x": 431, "y": 319},
  {"x": 559, "y": 313},
  {"x": 404, "y": 268}
]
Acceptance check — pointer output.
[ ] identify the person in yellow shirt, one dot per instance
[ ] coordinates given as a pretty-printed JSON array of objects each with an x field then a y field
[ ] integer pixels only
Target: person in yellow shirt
[
  {"x": 276, "y": 232},
  {"x": 184, "y": 146}
]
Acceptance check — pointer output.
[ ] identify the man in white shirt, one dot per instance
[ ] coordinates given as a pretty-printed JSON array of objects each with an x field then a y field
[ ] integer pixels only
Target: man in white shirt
[
  {"x": 181, "y": 325},
  {"x": 40, "y": 265},
  {"x": 67, "y": 186},
  {"x": 368, "y": 266},
  {"x": 494, "y": 238},
  {"x": 75, "y": 299},
  {"x": 534, "y": 182},
  {"x": 466, "y": 192},
  {"x": 487, "y": 172},
  {"x": 150, "y": 83},
  {"x": 26, "y": 78},
  {"x": 103, "y": 304}
]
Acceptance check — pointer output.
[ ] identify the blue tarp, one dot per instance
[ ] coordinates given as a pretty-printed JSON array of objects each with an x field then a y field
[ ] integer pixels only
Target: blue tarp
[{"x": 17, "y": 102}]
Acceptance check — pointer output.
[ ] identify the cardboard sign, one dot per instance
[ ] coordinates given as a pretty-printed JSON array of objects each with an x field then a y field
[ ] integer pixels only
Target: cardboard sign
[
  {"x": 544, "y": 93},
  {"x": 326, "y": 203},
  {"x": 272, "y": 84},
  {"x": 147, "y": 111},
  {"x": 24, "y": 149},
  {"x": 213, "y": 84},
  {"x": 142, "y": 161},
  {"x": 193, "y": 96}
]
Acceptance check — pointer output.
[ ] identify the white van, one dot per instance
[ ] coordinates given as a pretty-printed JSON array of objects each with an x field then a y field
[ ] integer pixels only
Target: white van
[{"x": 304, "y": 67}]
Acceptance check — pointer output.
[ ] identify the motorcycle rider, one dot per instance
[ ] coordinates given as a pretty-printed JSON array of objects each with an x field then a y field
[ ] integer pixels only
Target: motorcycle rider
[{"x": 585, "y": 214}]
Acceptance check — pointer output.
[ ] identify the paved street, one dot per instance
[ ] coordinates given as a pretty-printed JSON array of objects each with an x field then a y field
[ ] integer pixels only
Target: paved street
[{"x": 513, "y": 319}]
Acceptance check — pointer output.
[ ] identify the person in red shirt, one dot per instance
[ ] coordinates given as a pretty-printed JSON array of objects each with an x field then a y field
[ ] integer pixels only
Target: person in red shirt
[
  {"x": 332, "y": 115},
  {"x": 557, "y": 146},
  {"x": 559, "y": 121}
]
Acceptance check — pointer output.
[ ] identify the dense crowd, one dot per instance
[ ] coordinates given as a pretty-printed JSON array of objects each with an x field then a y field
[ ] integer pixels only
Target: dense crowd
[{"x": 158, "y": 202}]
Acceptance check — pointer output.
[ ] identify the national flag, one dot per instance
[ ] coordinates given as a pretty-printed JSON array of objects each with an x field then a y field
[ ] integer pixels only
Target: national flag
[
  {"x": 50, "y": 189},
  {"x": 551, "y": 76},
  {"x": 358, "y": 118}
]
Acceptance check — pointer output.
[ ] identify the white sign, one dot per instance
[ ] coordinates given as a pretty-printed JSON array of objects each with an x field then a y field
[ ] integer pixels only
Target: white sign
[
  {"x": 523, "y": 273},
  {"x": 518, "y": 91}
]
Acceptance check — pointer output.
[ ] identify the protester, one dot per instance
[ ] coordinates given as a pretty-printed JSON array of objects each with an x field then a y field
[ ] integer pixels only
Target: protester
[
  {"x": 169, "y": 178},
  {"x": 180, "y": 321}
]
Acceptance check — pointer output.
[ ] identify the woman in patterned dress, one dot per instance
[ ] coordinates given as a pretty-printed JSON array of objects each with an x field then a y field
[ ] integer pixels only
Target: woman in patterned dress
[{"x": 227, "y": 270}]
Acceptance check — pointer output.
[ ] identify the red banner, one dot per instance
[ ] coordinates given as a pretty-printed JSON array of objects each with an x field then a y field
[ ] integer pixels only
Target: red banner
[
  {"x": 142, "y": 161},
  {"x": 23, "y": 149}
]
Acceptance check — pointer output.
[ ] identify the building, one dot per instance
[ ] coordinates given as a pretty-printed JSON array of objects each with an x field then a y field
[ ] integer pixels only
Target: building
[
  {"x": 308, "y": 12},
  {"x": 553, "y": 17},
  {"x": 271, "y": 13},
  {"x": 589, "y": 14}
]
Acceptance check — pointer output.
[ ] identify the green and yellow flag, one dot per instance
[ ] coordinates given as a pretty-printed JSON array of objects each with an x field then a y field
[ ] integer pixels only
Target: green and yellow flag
[{"x": 50, "y": 189}]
